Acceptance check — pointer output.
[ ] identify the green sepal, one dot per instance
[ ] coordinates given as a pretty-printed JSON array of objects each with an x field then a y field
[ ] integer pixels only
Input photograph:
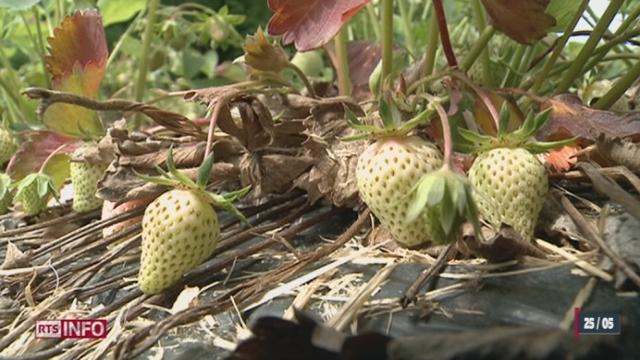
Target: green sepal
[
  {"x": 225, "y": 202},
  {"x": 160, "y": 180},
  {"x": 178, "y": 175},
  {"x": 423, "y": 118},
  {"x": 43, "y": 183},
  {"x": 386, "y": 114},
  {"x": 205, "y": 170},
  {"x": 505, "y": 115},
  {"x": 474, "y": 138},
  {"x": 538, "y": 147},
  {"x": 355, "y": 123},
  {"x": 5, "y": 185}
]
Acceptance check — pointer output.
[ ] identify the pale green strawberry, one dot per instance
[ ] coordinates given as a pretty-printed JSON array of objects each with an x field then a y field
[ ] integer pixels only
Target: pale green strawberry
[
  {"x": 510, "y": 187},
  {"x": 85, "y": 177},
  {"x": 6, "y": 196},
  {"x": 386, "y": 172},
  {"x": 510, "y": 183},
  {"x": 180, "y": 228},
  {"x": 179, "y": 231},
  {"x": 7, "y": 145},
  {"x": 33, "y": 193}
]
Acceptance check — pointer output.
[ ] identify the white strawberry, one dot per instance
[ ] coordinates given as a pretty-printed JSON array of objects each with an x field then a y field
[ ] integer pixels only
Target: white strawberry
[
  {"x": 180, "y": 228},
  {"x": 509, "y": 182},
  {"x": 386, "y": 172}
]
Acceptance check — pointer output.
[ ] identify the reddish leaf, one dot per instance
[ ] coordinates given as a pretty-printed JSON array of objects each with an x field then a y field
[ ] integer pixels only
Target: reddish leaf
[
  {"x": 571, "y": 118},
  {"x": 310, "y": 24},
  {"x": 561, "y": 160},
  {"x": 77, "y": 60},
  {"x": 363, "y": 58},
  {"x": 522, "y": 20},
  {"x": 33, "y": 152}
]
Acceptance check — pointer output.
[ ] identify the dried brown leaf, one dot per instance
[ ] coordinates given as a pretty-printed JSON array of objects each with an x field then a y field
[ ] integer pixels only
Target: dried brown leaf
[
  {"x": 14, "y": 258},
  {"x": 570, "y": 117},
  {"x": 525, "y": 21}
]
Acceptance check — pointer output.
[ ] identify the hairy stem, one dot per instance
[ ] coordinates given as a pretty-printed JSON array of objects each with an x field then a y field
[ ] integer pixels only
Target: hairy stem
[
  {"x": 577, "y": 65},
  {"x": 481, "y": 25},
  {"x": 304, "y": 79},
  {"x": 344, "y": 78},
  {"x": 432, "y": 46},
  {"x": 375, "y": 22},
  {"x": 406, "y": 24},
  {"x": 543, "y": 74},
  {"x": 41, "y": 49},
  {"x": 143, "y": 65},
  {"x": 446, "y": 133},
  {"x": 478, "y": 49},
  {"x": 387, "y": 40},
  {"x": 444, "y": 33}
]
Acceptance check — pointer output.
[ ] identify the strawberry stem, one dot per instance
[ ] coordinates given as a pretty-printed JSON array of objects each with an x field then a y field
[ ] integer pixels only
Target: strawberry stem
[
  {"x": 446, "y": 131},
  {"x": 444, "y": 33}
]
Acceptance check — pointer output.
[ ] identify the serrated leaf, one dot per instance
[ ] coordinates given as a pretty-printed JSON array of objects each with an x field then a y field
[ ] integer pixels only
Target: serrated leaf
[
  {"x": 77, "y": 60},
  {"x": 310, "y": 24},
  {"x": 32, "y": 153}
]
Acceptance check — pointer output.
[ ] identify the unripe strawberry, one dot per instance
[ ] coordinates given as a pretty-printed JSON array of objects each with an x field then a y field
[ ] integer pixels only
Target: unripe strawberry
[
  {"x": 6, "y": 196},
  {"x": 7, "y": 145},
  {"x": 179, "y": 231},
  {"x": 85, "y": 177},
  {"x": 87, "y": 167},
  {"x": 180, "y": 228},
  {"x": 33, "y": 193},
  {"x": 510, "y": 183},
  {"x": 386, "y": 172},
  {"x": 510, "y": 187},
  {"x": 487, "y": 79}
]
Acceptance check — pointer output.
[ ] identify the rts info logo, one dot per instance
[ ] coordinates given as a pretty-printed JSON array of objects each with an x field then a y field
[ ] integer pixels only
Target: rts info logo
[{"x": 71, "y": 329}]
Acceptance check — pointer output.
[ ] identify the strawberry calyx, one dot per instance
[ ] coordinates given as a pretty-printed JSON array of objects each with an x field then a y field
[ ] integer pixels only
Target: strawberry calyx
[
  {"x": 445, "y": 195},
  {"x": 393, "y": 123},
  {"x": 177, "y": 179},
  {"x": 44, "y": 186},
  {"x": 523, "y": 137},
  {"x": 5, "y": 185}
]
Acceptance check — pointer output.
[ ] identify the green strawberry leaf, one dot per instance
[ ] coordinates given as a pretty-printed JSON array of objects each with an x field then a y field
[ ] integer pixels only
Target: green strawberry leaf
[{"x": 448, "y": 215}]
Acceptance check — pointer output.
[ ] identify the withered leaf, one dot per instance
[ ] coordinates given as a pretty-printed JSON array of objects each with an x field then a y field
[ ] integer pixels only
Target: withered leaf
[
  {"x": 525, "y": 21},
  {"x": 262, "y": 55},
  {"x": 14, "y": 258},
  {"x": 570, "y": 117},
  {"x": 504, "y": 245},
  {"x": 271, "y": 173},
  {"x": 561, "y": 160}
]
